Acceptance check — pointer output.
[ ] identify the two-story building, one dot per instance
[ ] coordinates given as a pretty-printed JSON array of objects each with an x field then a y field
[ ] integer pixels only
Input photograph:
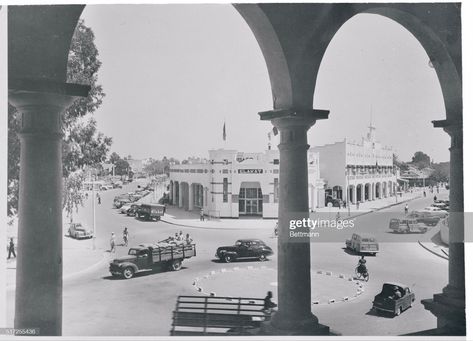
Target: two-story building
[
  {"x": 232, "y": 184},
  {"x": 357, "y": 171}
]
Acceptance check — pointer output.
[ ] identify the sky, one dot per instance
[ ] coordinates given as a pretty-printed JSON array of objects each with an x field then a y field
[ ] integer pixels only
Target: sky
[{"x": 174, "y": 74}]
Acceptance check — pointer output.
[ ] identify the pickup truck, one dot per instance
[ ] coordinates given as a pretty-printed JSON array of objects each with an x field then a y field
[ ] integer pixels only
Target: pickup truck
[{"x": 147, "y": 257}]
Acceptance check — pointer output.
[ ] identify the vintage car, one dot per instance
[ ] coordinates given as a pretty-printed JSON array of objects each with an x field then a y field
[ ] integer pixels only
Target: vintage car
[
  {"x": 120, "y": 201},
  {"x": 390, "y": 301},
  {"x": 407, "y": 225},
  {"x": 147, "y": 257},
  {"x": 363, "y": 243},
  {"x": 428, "y": 218},
  {"x": 133, "y": 209},
  {"x": 77, "y": 231},
  {"x": 435, "y": 211},
  {"x": 244, "y": 249},
  {"x": 334, "y": 201},
  {"x": 125, "y": 207}
]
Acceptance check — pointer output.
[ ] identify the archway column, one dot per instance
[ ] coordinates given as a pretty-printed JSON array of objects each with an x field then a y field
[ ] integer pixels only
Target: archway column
[
  {"x": 171, "y": 193},
  {"x": 38, "y": 295},
  {"x": 181, "y": 194},
  {"x": 294, "y": 316},
  {"x": 449, "y": 306},
  {"x": 191, "y": 197}
]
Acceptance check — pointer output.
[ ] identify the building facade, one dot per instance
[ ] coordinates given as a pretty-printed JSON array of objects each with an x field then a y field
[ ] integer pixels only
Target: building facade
[
  {"x": 357, "y": 172},
  {"x": 231, "y": 184}
]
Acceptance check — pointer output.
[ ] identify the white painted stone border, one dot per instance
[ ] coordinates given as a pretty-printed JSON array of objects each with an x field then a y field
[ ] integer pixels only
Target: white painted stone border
[{"x": 359, "y": 290}]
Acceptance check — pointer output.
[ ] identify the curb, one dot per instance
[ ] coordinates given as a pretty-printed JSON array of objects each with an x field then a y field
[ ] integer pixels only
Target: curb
[
  {"x": 104, "y": 259},
  {"x": 242, "y": 228},
  {"x": 432, "y": 251}
]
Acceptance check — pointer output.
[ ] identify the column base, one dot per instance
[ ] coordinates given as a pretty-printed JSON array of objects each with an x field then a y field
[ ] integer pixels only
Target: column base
[
  {"x": 309, "y": 326},
  {"x": 311, "y": 329},
  {"x": 450, "y": 313}
]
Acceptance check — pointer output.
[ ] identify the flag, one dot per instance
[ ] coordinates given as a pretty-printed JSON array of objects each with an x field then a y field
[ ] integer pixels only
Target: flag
[{"x": 224, "y": 132}]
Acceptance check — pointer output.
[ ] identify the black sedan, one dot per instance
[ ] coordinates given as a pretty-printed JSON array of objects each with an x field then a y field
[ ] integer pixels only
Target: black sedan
[{"x": 244, "y": 249}]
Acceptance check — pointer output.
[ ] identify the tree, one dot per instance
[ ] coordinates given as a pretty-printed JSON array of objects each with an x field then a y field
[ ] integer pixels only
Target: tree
[
  {"x": 82, "y": 143},
  {"x": 398, "y": 163},
  {"x": 122, "y": 167},
  {"x": 72, "y": 196},
  {"x": 154, "y": 167},
  {"x": 421, "y": 160}
]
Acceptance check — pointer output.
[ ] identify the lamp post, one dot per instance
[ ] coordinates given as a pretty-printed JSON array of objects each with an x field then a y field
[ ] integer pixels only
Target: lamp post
[{"x": 93, "y": 213}]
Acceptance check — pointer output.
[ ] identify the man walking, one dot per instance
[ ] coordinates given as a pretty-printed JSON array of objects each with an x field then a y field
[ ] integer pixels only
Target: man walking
[
  {"x": 112, "y": 243},
  {"x": 11, "y": 249}
]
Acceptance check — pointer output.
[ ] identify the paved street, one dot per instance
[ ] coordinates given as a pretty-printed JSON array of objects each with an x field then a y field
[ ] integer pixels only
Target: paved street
[{"x": 97, "y": 304}]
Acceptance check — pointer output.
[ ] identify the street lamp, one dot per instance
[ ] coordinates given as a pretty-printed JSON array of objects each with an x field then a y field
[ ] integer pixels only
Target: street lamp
[{"x": 93, "y": 210}]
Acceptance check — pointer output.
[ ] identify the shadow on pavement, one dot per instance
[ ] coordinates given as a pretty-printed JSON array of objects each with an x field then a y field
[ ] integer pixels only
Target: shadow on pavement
[
  {"x": 354, "y": 253},
  {"x": 156, "y": 270},
  {"x": 371, "y": 312}
]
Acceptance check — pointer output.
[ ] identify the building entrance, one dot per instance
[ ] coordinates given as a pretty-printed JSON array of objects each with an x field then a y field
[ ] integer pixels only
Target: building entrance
[{"x": 250, "y": 199}]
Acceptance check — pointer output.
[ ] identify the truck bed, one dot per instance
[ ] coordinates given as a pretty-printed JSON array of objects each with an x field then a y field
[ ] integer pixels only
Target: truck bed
[{"x": 164, "y": 254}]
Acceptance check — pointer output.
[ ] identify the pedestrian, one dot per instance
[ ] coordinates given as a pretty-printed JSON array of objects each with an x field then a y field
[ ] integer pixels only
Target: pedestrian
[
  {"x": 435, "y": 198},
  {"x": 406, "y": 209},
  {"x": 112, "y": 243},
  {"x": 86, "y": 195},
  {"x": 269, "y": 305},
  {"x": 180, "y": 237},
  {"x": 11, "y": 249},
  {"x": 201, "y": 214},
  {"x": 188, "y": 239},
  {"x": 125, "y": 236},
  {"x": 425, "y": 194},
  {"x": 357, "y": 205}
]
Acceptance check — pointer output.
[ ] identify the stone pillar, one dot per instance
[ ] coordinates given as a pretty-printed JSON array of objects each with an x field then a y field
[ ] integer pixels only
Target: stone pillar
[
  {"x": 362, "y": 193},
  {"x": 38, "y": 296},
  {"x": 181, "y": 194},
  {"x": 171, "y": 192},
  {"x": 449, "y": 306},
  {"x": 294, "y": 316},
  {"x": 191, "y": 197}
]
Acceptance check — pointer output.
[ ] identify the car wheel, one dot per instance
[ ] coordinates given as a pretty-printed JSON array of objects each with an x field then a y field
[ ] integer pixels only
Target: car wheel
[
  {"x": 128, "y": 272},
  {"x": 176, "y": 265},
  {"x": 397, "y": 312},
  {"x": 262, "y": 257},
  {"x": 228, "y": 258}
]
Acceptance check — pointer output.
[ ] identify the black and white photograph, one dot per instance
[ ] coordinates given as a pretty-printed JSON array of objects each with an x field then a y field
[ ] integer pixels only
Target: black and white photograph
[{"x": 267, "y": 170}]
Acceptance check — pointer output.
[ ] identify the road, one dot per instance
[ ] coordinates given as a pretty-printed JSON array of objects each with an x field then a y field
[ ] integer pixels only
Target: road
[{"x": 96, "y": 304}]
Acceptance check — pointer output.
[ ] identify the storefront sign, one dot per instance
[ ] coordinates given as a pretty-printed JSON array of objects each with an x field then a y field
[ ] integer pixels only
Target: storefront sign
[{"x": 250, "y": 171}]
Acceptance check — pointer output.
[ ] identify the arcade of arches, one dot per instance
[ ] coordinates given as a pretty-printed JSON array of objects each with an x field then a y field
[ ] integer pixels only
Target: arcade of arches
[{"x": 293, "y": 39}]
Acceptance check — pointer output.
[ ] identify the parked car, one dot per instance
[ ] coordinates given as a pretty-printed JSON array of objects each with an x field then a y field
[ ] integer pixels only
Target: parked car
[
  {"x": 77, "y": 231},
  {"x": 125, "y": 208},
  {"x": 334, "y": 201},
  {"x": 407, "y": 225},
  {"x": 435, "y": 211},
  {"x": 106, "y": 187},
  {"x": 363, "y": 243},
  {"x": 133, "y": 209},
  {"x": 388, "y": 301},
  {"x": 119, "y": 202},
  {"x": 441, "y": 205},
  {"x": 117, "y": 184},
  {"x": 244, "y": 249},
  {"x": 425, "y": 217}
]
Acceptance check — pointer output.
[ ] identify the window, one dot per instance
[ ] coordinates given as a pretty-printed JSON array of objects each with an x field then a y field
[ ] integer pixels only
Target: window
[
  {"x": 225, "y": 189},
  {"x": 276, "y": 161}
]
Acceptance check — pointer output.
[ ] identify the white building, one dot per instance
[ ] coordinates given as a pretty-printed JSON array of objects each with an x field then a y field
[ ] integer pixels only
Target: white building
[
  {"x": 233, "y": 184},
  {"x": 357, "y": 172}
]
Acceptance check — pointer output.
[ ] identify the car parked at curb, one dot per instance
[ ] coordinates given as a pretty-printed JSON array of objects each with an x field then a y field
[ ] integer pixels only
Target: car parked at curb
[
  {"x": 244, "y": 249},
  {"x": 77, "y": 231}
]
